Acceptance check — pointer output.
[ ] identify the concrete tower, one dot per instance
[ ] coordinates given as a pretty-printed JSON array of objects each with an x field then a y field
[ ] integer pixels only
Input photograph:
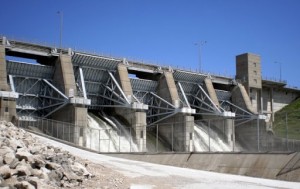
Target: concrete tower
[{"x": 248, "y": 73}]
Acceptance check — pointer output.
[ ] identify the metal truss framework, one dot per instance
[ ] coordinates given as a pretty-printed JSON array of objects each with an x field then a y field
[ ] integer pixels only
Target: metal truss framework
[
  {"x": 37, "y": 96},
  {"x": 194, "y": 96},
  {"x": 158, "y": 108},
  {"x": 101, "y": 87},
  {"x": 242, "y": 116}
]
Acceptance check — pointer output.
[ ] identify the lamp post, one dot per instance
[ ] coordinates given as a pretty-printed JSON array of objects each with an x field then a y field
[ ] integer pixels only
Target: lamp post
[
  {"x": 279, "y": 69},
  {"x": 200, "y": 44},
  {"x": 61, "y": 28}
]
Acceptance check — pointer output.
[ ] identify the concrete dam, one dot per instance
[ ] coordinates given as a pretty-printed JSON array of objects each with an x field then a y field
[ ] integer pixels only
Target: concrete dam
[{"x": 144, "y": 106}]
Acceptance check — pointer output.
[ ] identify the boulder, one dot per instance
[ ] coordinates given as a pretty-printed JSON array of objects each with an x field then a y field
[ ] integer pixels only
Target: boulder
[
  {"x": 22, "y": 153},
  {"x": 80, "y": 170},
  {"x": 52, "y": 166},
  {"x": 23, "y": 170},
  {"x": 14, "y": 163},
  {"x": 8, "y": 158},
  {"x": 5, "y": 172},
  {"x": 24, "y": 185},
  {"x": 37, "y": 162},
  {"x": 4, "y": 150}
]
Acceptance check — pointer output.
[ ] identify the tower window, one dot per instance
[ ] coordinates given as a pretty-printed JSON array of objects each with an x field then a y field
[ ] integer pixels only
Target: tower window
[
  {"x": 254, "y": 64},
  {"x": 255, "y": 80},
  {"x": 255, "y": 72}
]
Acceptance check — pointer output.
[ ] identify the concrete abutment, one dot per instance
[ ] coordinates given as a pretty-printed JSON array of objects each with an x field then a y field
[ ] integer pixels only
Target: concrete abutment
[{"x": 7, "y": 97}]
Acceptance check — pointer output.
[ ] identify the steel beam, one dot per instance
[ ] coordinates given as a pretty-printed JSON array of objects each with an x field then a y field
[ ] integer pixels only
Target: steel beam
[
  {"x": 118, "y": 86},
  {"x": 184, "y": 96},
  {"x": 82, "y": 83},
  {"x": 58, "y": 91}
]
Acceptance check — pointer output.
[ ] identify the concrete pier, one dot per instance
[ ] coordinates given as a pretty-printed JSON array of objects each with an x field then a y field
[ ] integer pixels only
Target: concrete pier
[
  {"x": 7, "y": 97},
  {"x": 177, "y": 130},
  {"x": 135, "y": 117}
]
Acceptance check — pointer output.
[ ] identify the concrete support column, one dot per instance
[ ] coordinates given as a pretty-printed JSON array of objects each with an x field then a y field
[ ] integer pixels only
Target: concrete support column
[
  {"x": 3, "y": 74},
  {"x": 64, "y": 79},
  {"x": 229, "y": 132},
  {"x": 241, "y": 98},
  {"x": 177, "y": 130},
  {"x": 167, "y": 89},
  {"x": 136, "y": 118},
  {"x": 137, "y": 121},
  {"x": 208, "y": 86},
  {"x": 7, "y": 105}
]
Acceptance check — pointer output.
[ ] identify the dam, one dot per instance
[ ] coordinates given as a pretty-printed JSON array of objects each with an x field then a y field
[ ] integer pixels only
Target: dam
[{"x": 111, "y": 104}]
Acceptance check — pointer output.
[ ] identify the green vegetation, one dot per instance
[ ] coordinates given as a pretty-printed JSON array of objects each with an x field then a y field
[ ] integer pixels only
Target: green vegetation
[{"x": 290, "y": 116}]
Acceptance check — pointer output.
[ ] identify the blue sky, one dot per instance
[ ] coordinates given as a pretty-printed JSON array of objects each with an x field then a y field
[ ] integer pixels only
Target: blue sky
[{"x": 164, "y": 32}]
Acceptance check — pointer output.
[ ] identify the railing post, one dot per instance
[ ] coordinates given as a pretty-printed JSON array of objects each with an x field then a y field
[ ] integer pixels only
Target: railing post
[
  {"x": 208, "y": 135},
  {"x": 172, "y": 137},
  {"x": 109, "y": 136},
  {"x": 156, "y": 138},
  {"x": 232, "y": 135},
  {"x": 287, "y": 131},
  {"x": 120, "y": 133},
  {"x": 130, "y": 139},
  {"x": 90, "y": 138},
  {"x": 99, "y": 140},
  {"x": 258, "y": 137}
]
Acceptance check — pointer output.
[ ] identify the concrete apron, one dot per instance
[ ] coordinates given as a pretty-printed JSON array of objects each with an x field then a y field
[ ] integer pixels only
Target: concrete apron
[{"x": 281, "y": 166}]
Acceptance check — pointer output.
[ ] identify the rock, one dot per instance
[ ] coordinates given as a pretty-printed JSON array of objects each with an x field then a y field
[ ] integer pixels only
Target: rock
[
  {"x": 22, "y": 153},
  {"x": 79, "y": 169},
  {"x": 9, "y": 158},
  {"x": 37, "y": 162},
  {"x": 55, "y": 175},
  {"x": 52, "y": 166},
  {"x": 1, "y": 161},
  {"x": 4, "y": 150},
  {"x": 35, "y": 150},
  {"x": 24, "y": 185},
  {"x": 26, "y": 163},
  {"x": 35, "y": 181},
  {"x": 23, "y": 170},
  {"x": 5, "y": 172},
  {"x": 14, "y": 163}
]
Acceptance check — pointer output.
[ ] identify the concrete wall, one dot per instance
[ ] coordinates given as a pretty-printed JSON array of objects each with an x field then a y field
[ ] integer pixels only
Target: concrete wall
[
  {"x": 282, "y": 98},
  {"x": 271, "y": 166}
]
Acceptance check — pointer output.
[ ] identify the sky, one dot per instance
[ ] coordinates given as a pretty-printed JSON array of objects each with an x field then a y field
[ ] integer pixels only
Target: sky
[{"x": 165, "y": 32}]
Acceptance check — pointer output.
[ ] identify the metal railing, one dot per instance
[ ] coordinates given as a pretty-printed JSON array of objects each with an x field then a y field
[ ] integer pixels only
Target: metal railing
[{"x": 210, "y": 135}]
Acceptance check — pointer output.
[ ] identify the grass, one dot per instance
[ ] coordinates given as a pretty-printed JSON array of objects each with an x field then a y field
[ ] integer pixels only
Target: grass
[{"x": 288, "y": 119}]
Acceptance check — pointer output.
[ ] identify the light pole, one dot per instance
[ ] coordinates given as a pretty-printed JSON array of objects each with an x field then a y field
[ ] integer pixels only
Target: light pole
[
  {"x": 200, "y": 44},
  {"x": 61, "y": 15},
  {"x": 279, "y": 69}
]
